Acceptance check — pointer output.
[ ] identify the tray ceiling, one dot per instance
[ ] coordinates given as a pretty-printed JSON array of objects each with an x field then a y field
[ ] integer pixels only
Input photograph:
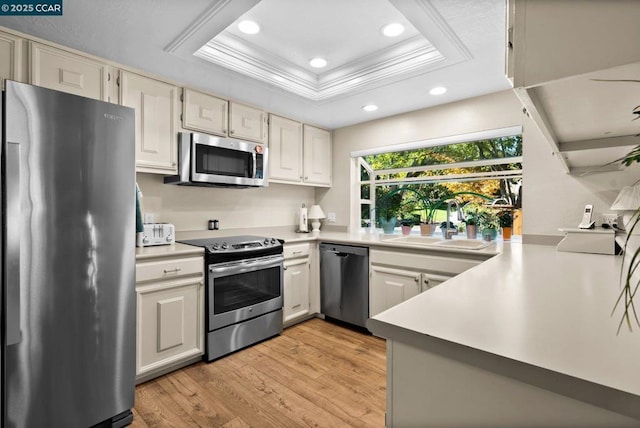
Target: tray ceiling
[
  {"x": 349, "y": 38},
  {"x": 458, "y": 44}
]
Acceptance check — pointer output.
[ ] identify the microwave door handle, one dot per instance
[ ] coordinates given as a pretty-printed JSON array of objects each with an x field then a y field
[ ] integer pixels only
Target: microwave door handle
[
  {"x": 12, "y": 236},
  {"x": 254, "y": 166}
]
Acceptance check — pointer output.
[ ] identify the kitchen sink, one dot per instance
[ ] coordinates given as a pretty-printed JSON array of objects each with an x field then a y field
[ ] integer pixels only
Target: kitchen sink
[
  {"x": 467, "y": 244},
  {"x": 420, "y": 240}
]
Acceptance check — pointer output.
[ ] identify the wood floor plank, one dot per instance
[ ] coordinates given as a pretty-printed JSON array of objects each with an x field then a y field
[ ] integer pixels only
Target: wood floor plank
[{"x": 315, "y": 374}]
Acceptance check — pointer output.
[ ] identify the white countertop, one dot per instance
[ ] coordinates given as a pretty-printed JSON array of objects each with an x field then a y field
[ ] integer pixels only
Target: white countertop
[
  {"x": 534, "y": 305},
  {"x": 366, "y": 239},
  {"x": 167, "y": 251}
]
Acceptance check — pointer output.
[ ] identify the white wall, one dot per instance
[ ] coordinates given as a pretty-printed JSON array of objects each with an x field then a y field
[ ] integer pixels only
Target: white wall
[
  {"x": 189, "y": 208},
  {"x": 551, "y": 198}
]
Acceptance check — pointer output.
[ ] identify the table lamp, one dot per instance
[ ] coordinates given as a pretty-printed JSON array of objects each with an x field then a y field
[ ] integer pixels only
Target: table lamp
[
  {"x": 315, "y": 214},
  {"x": 628, "y": 201}
]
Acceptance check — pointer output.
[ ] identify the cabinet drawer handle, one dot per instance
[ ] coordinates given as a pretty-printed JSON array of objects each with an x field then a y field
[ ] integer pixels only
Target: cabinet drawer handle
[
  {"x": 416, "y": 279},
  {"x": 284, "y": 267},
  {"x": 297, "y": 252},
  {"x": 174, "y": 270}
]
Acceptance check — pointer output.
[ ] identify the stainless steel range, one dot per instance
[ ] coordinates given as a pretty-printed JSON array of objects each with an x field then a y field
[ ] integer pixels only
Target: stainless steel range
[{"x": 244, "y": 277}]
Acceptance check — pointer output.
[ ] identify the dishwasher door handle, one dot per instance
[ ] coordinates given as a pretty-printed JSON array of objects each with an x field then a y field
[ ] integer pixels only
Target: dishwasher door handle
[{"x": 338, "y": 253}]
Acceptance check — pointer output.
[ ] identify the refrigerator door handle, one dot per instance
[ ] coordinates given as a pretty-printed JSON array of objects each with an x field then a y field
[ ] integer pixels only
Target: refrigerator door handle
[{"x": 12, "y": 234}]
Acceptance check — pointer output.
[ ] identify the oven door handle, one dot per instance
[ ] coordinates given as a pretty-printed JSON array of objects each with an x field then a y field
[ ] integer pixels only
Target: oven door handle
[{"x": 246, "y": 266}]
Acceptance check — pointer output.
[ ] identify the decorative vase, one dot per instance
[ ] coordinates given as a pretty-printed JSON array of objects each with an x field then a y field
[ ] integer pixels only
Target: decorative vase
[
  {"x": 427, "y": 229},
  {"x": 406, "y": 230},
  {"x": 489, "y": 234},
  {"x": 506, "y": 233},
  {"x": 472, "y": 231},
  {"x": 388, "y": 225}
]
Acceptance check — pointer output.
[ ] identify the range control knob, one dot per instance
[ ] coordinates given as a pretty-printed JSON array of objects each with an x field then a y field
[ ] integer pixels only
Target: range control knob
[
  {"x": 266, "y": 241},
  {"x": 225, "y": 246},
  {"x": 214, "y": 247},
  {"x": 273, "y": 241}
]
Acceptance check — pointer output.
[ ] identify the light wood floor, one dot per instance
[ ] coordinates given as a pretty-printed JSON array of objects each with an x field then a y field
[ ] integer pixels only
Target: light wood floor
[{"x": 315, "y": 374}]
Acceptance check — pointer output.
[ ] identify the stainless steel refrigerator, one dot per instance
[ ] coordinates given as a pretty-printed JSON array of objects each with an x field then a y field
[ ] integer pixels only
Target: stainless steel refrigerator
[{"x": 68, "y": 260}]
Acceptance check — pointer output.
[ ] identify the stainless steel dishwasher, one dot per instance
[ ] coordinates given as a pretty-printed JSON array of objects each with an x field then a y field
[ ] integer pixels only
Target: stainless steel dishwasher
[{"x": 344, "y": 283}]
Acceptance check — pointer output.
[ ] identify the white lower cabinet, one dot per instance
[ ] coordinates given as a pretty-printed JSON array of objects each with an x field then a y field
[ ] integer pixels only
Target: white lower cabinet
[
  {"x": 389, "y": 287},
  {"x": 170, "y": 318},
  {"x": 396, "y": 276},
  {"x": 297, "y": 282}
]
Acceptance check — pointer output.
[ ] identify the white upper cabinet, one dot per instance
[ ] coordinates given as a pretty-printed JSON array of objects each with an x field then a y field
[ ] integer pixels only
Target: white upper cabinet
[
  {"x": 317, "y": 156},
  {"x": 10, "y": 58},
  {"x": 561, "y": 58},
  {"x": 550, "y": 40},
  {"x": 299, "y": 154},
  {"x": 65, "y": 71},
  {"x": 247, "y": 123},
  {"x": 155, "y": 103},
  {"x": 204, "y": 113},
  {"x": 285, "y": 149}
]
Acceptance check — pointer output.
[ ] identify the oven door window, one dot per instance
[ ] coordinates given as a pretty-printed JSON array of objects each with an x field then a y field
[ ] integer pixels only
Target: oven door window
[
  {"x": 213, "y": 160},
  {"x": 245, "y": 289}
]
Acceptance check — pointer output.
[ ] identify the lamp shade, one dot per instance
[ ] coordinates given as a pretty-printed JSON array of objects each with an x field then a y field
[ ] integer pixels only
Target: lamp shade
[
  {"x": 628, "y": 199},
  {"x": 315, "y": 212}
]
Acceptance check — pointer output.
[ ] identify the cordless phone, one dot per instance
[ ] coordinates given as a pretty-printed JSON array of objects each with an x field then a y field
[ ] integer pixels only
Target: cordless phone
[{"x": 586, "y": 222}]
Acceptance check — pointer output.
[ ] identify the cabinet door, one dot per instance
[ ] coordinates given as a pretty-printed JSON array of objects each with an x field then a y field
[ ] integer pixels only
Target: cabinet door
[
  {"x": 247, "y": 123},
  {"x": 205, "y": 113},
  {"x": 317, "y": 156},
  {"x": 430, "y": 280},
  {"x": 155, "y": 104},
  {"x": 67, "y": 72},
  {"x": 10, "y": 58},
  {"x": 170, "y": 324},
  {"x": 388, "y": 287},
  {"x": 285, "y": 149},
  {"x": 296, "y": 288}
]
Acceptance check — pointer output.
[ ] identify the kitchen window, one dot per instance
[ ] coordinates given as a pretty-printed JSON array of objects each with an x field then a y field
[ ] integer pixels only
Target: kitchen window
[{"x": 486, "y": 163}]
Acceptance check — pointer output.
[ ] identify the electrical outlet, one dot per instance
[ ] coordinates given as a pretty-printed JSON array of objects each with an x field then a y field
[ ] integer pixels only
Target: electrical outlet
[
  {"x": 610, "y": 219},
  {"x": 148, "y": 218},
  {"x": 331, "y": 217}
]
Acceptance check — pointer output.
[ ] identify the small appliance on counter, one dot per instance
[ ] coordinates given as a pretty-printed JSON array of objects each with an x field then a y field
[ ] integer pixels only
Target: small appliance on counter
[
  {"x": 156, "y": 234},
  {"x": 303, "y": 221}
]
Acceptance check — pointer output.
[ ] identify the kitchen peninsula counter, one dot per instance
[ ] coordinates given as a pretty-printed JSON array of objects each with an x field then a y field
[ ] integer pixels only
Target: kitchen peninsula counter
[{"x": 523, "y": 339}]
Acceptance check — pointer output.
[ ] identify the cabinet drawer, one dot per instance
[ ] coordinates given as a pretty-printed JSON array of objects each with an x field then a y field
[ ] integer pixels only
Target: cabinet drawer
[
  {"x": 168, "y": 268},
  {"x": 296, "y": 250}
]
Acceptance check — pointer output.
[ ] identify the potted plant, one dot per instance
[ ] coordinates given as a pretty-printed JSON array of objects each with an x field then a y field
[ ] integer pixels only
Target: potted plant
[
  {"x": 427, "y": 225},
  {"x": 453, "y": 230},
  {"x": 489, "y": 224},
  {"x": 387, "y": 211},
  {"x": 407, "y": 224},
  {"x": 505, "y": 219},
  {"x": 471, "y": 222}
]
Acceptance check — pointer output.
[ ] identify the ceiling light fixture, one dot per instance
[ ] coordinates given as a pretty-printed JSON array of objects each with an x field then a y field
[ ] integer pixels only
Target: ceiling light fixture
[
  {"x": 318, "y": 62},
  {"x": 248, "y": 27},
  {"x": 370, "y": 107},
  {"x": 438, "y": 90},
  {"x": 393, "y": 30}
]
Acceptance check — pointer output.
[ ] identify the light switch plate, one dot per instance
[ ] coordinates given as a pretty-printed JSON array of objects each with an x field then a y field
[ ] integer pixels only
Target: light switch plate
[
  {"x": 331, "y": 217},
  {"x": 148, "y": 218}
]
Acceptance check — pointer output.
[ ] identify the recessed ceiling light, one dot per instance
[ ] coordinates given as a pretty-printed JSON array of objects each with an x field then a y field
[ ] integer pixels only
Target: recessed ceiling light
[
  {"x": 438, "y": 90},
  {"x": 248, "y": 27},
  {"x": 370, "y": 107},
  {"x": 392, "y": 30},
  {"x": 318, "y": 62}
]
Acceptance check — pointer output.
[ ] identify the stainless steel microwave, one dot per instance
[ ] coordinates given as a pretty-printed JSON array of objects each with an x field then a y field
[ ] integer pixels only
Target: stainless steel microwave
[{"x": 206, "y": 160}]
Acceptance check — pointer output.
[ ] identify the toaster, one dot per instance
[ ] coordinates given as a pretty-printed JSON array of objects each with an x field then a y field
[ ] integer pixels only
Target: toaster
[{"x": 156, "y": 234}]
